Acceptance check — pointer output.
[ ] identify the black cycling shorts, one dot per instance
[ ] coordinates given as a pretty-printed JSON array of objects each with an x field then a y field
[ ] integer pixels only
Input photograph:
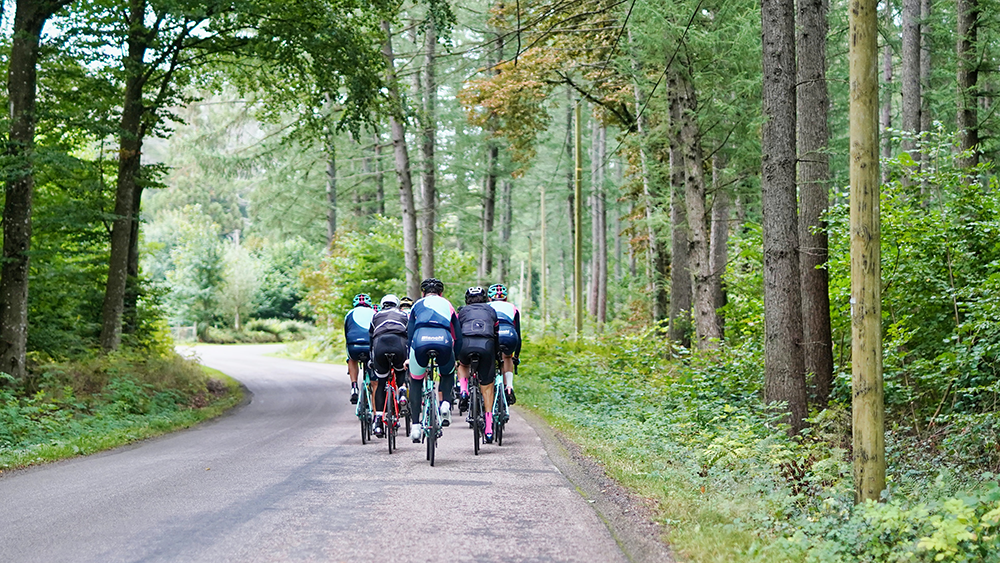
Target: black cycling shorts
[
  {"x": 383, "y": 344},
  {"x": 359, "y": 351},
  {"x": 484, "y": 348},
  {"x": 509, "y": 340}
]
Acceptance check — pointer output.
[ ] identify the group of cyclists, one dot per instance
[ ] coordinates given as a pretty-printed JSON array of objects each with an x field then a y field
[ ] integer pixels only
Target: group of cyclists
[{"x": 398, "y": 337}]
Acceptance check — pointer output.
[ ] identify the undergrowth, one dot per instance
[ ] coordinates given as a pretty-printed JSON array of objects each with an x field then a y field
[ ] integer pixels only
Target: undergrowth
[
  {"x": 85, "y": 406},
  {"x": 693, "y": 434}
]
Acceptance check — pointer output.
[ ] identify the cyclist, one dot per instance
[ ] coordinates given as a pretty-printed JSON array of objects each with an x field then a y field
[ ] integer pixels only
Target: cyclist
[
  {"x": 478, "y": 321},
  {"x": 388, "y": 336},
  {"x": 405, "y": 304},
  {"x": 356, "y": 325},
  {"x": 510, "y": 335},
  {"x": 433, "y": 326}
]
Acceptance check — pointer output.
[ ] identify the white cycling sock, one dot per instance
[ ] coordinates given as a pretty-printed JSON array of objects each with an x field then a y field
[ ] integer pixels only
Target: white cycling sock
[
  {"x": 445, "y": 406},
  {"x": 508, "y": 379}
]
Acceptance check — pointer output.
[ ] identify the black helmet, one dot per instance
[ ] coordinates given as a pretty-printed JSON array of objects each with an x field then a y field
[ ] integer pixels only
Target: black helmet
[
  {"x": 405, "y": 302},
  {"x": 475, "y": 295},
  {"x": 432, "y": 285}
]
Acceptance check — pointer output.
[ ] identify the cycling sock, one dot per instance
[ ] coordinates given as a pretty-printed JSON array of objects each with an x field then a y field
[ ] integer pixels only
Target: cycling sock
[
  {"x": 489, "y": 422},
  {"x": 463, "y": 384},
  {"x": 508, "y": 379},
  {"x": 354, "y": 385}
]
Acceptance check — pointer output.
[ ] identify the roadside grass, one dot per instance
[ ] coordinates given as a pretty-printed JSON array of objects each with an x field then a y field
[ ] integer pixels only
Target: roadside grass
[
  {"x": 692, "y": 435},
  {"x": 84, "y": 407}
]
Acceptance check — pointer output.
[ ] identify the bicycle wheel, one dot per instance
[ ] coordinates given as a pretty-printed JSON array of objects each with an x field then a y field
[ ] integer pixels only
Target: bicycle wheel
[
  {"x": 501, "y": 418},
  {"x": 476, "y": 412},
  {"x": 363, "y": 415}
]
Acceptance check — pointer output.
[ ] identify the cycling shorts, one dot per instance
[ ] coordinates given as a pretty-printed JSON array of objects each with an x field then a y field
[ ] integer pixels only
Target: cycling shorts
[
  {"x": 359, "y": 351},
  {"x": 394, "y": 344},
  {"x": 484, "y": 348},
  {"x": 509, "y": 340},
  {"x": 426, "y": 340}
]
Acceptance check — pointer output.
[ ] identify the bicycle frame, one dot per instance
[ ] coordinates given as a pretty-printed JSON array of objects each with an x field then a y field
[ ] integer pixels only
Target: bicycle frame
[
  {"x": 364, "y": 408},
  {"x": 430, "y": 418}
]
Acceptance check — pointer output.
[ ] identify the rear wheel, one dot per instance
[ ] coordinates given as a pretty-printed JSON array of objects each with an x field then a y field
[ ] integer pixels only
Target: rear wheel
[
  {"x": 476, "y": 413},
  {"x": 363, "y": 416},
  {"x": 498, "y": 419}
]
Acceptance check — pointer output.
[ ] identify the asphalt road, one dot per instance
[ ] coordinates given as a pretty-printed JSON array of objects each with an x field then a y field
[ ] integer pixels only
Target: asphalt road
[{"x": 286, "y": 478}]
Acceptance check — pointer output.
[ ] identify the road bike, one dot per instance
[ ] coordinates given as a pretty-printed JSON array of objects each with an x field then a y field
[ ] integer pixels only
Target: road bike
[
  {"x": 364, "y": 408},
  {"x": 476, "y": 417},
  {"x": 391, "y": 410},
  {"x": 500, "y": 407},
  {"x": 430, "y": 417}
]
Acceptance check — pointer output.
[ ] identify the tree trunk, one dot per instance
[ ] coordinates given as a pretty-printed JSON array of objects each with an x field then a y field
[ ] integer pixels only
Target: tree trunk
[
  {"x": 428, "y": 186},
  {"x": 886, "y": 118},
  {"x": 22, "y": 79},
  {"x": 506, "y": 218},
  {"x": 681, "y": 295},
  {"x": 910, "y": 55},
  {"x": 489, "y": 212},
  {"x": 784, "y": 375},
  {"x": 595, "y": 223},
  {"x": 129, "y": 160},
  {"x": 706, "y": 321},
  {"x": 602, "y": 216},
  {"x": 379, "y": 177},
  {"x": 968, "y": 76},
  {"x": 402, "y": 159},
  {"x": 925, "y": 65},
  {"x": 331, "y": 189},
  {"x": 814, "y": 198},
  {"x": 130, "y": 310},
  {"x": 866, "y": 309},
  {"x": 719, "y": 250}
]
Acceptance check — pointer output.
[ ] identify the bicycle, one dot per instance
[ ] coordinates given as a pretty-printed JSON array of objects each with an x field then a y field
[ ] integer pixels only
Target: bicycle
[
  {"x": 430, "y": 418},
  {"x": 478, "y": 423},
  {"x": 500, "y": 408},
  {"x": 364, "y": 409},
  {"x": 391, "y": 411}
]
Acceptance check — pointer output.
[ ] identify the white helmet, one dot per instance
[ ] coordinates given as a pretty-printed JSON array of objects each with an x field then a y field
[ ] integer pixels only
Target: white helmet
[{"x": 389, "y": 301}]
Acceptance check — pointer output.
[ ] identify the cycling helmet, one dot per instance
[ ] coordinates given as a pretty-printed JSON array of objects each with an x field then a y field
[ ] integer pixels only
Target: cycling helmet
[
  {"x": 498, "y": 292},
  {"x": 389, "y": 301},
  {"x": 432, "y": 285},
  {"x": 475, "y": 295},
  {"x": 363, "y": 300},
  {"x": 405, "y": 302}
]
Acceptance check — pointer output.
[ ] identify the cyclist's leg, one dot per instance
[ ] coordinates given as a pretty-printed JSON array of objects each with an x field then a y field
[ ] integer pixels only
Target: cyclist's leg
[
  {"x": 417, "y": 372},
  {"x": 487, "y": 372}
]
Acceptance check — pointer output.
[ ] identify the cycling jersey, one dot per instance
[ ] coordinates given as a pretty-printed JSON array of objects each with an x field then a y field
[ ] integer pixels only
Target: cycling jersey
[
  {"x": 509, "y": 330},
  {"x": 356, "y": 325}
]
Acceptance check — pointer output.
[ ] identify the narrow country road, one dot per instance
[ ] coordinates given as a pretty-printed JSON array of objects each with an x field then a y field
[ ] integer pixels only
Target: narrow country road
[{"x": 285, "y": 478}]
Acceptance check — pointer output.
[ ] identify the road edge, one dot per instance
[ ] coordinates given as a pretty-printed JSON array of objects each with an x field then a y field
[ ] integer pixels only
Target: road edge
[{"x": 627, "y": 517}]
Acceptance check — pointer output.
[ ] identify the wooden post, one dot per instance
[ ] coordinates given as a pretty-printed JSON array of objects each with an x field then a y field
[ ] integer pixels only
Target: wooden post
[
  {"x": 578, "y": 232},
  {"x": 866, "y": 272}
]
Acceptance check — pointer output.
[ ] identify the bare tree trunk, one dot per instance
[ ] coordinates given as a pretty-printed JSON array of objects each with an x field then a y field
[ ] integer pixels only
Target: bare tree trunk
[
  {"x": 489, "y": 211},
  {"x": 886, "y": 117},
  {"x": 968, "y": 77},
  {"x": 331, "y": 190},
  {"x": 910, "y": 56},
  {"x": 379, "y": 177},
  {"x": 616, "y": 223},
  {"x": 602, "y": 216},
  {"x": 429, "y": 174},
  {"x": 720, "y": 242},
  {"x": 925, "y": 65},
  {"x": 595, "y": 223},
  {"x": 706, "y": 322},
  {"x": 22, "y": 80},
  {"x": 129, "y": 158},
  {"x": 407, "y": 206},
  {"x": 784, "y": 372},
  {"x": 814, "y": 199},
  {"x": 130, "y": 311},
  {"x": 868, "y": 407},
  {"x": 368, "y": 170},
  {"x": 506, "y": 218},
  {"x": 681, "y": 295}
]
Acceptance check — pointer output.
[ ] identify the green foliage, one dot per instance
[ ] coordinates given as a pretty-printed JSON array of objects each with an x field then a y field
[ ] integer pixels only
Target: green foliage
[
  {"x": 693, "y": 434},
  {"x": 87, "y": 405},
  {"x": 359, "y": 262}
]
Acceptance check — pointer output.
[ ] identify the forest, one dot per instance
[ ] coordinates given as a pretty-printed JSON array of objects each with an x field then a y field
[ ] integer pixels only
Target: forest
[{"x": 665, "y": 187}]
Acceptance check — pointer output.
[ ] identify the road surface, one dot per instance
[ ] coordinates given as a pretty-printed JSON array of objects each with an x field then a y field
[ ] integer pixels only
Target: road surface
[{"x": 286, "y": 478}]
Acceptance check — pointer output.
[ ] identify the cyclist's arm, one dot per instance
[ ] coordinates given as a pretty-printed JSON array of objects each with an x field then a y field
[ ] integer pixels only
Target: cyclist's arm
[
  {"x": 517, "y": 327},
  {"x": 456, "y": 329}
]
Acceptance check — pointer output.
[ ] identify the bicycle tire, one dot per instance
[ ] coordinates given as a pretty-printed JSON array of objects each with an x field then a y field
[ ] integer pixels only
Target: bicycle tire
[
  {"x": 475, "y": 408},
  {"x": 501, "y": 416},
  {"x": 363, "y": 417}
]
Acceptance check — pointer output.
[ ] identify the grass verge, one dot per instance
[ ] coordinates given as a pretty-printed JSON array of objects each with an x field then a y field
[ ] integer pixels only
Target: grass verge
[{"x": 87, "y": 407}]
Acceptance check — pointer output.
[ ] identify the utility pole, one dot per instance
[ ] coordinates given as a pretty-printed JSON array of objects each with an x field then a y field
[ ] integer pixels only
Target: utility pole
[
  {"x": 578, "y": 234},
  {"x": 866, "y": 300},
  {"x": 545, "y": 277}
]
